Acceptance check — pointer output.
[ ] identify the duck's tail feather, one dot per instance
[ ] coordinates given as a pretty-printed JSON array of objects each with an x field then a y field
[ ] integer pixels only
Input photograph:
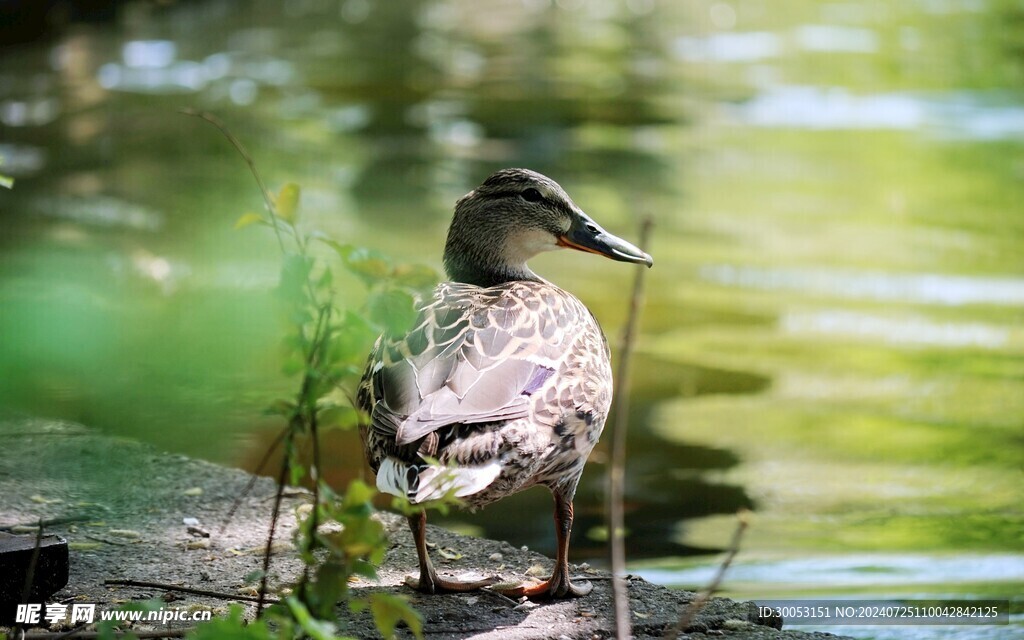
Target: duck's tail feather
[{"x": 423, "y": 482}]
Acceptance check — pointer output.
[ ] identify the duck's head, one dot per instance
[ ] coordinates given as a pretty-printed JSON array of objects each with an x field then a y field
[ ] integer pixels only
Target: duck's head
[{"x": 514, "y": 215}]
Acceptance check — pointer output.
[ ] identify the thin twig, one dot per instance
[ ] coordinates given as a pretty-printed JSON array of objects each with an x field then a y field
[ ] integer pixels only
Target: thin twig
[
  {"x": 252, "y": 480},
  {"x": 616, "y": 470},
  {"x": 274, "y": 515},
  {"x": 692, "y": 609},
  {"x": 323, "y": 328},
  {"x": 220, "y": 595},
  {"x": 30, "y": 576},
  {"x": 237, "y": 144},
  {"x": 120, "y": 543},
  {"x": 294, "y": 427},
  {"x": 504, "y": 599},
  {"x": 50, "y": 522}
]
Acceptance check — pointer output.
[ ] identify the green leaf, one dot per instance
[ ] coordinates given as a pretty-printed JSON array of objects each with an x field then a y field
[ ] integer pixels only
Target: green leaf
[
  {"x": 344, "y": 250},
  {"x": 6, "y": 181},
  {"x": 415, "y": 276},
  {"x": 297, "y": 472},
  {"x": 293, "y": 343},
  {"x": 352, "y": 340},
  {"x": 316, "y": 629},
  {"x": 280, "y": 407},
  {"x": 301, "y": 316},
  {"x": 337, "y": 416},
  {"x": 388, "y": 610},
  {"x": 287, "y": 202},
  {"x": 330, "y": 586},
  {"x": 294, "y": 278},
  {"x": 293, "y": 364},
  {"x": 392, "y": 309},
  {"x": 359, "y": 493},
  {"x": 248, "y": 219},
  {"x": 357, "y": 605},
  {"x": 362, "y": 537},
  {"x": 372, "y": 266},
  {"x": 402, "y": 505},
  {"x": 326, "y": 279},
  {"x": 327, "y": 494},
  {"x": 365, "y": 569}
]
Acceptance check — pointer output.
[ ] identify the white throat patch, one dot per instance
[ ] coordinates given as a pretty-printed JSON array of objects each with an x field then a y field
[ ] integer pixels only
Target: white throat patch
[{"x": 523, "y": 245}]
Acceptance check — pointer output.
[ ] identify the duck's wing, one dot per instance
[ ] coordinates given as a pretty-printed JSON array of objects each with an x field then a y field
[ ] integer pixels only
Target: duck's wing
[{"x": 476, "y": 355}]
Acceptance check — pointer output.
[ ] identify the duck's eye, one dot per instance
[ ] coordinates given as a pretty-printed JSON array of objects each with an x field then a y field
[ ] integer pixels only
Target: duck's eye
[{"x": 531, "y": 195}]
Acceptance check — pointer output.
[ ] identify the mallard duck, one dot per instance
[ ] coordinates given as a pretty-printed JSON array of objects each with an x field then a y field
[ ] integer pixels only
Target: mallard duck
[{"x": 504, "y": 383}]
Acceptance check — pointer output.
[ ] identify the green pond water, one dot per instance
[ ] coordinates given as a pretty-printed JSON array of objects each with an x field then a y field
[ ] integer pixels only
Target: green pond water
[{"x": 833, "y": 335}]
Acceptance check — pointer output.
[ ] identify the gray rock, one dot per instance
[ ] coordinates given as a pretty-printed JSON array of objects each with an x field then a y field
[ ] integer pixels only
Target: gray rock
[{"x": 93, "y": 484}]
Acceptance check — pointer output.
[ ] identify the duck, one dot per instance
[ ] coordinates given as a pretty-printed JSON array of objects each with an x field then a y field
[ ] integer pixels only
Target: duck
[{"x": 504, "y": 382}]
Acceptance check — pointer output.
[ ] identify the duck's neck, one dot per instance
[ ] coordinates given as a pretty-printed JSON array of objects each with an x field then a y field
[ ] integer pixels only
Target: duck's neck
[{"x": 463, "y": 264}]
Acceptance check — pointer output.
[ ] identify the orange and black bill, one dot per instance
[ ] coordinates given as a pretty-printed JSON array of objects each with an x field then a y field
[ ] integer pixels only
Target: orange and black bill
[{"x": 587, "y": 235}]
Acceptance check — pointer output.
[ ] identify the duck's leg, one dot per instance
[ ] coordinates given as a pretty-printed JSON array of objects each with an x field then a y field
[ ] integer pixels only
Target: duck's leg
[
  {"x": 558, "y": 586},
  {"x": 429, "y": 581}
]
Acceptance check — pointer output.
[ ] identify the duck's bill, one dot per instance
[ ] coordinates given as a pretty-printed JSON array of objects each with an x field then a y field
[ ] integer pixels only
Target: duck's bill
[{"x": 587, "y": 235}]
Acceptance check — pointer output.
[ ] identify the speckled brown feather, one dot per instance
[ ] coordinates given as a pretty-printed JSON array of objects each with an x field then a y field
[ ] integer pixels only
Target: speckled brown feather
[{"x": 516, "y": 374}]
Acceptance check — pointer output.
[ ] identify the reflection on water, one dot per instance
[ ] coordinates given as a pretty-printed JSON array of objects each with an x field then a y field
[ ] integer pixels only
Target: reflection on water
[
  {"x": 21, "y": 159},
  {"x": 910, "y": 331},
  {"x": 936, "y": 632},
  {"x": 831, "y": 108},
  {"x": 728, "y": 47},
  {"x": 100, "y": 211},
  {"x": 828, "y": 37},
  {"x": 957, "y": 115},
  {"x": 833, "y": 331},
  {"x": 856, "y": 570},
  {"x": 872, "y": 576},
  {"x": 754, "y": 46},
  {"x": 927, "y": 288}
]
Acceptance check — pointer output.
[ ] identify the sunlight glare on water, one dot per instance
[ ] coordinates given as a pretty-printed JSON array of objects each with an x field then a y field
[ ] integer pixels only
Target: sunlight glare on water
[
  {"x": 925, "y": 288},
  {"x": 855, "y": 570}
]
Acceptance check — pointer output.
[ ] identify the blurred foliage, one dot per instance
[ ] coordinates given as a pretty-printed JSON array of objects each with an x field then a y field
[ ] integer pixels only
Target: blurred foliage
[{"x": 325, "y": 345}]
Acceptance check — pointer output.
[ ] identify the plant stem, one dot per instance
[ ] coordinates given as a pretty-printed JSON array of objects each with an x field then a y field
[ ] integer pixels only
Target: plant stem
[
  {"x": 281, "y": 477},
  {"x": 237, "y": 144},
  {"x": 692, "y": 609},
  {"x": 171, "y": 587},
  {"x": 323, "y": 325},
  {"x": 616, "y": 472},
  {"x": 252, "y": 480}
]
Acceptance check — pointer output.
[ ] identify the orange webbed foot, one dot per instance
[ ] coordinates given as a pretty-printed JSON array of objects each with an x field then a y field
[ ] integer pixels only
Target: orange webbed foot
[
  {"x": 557, "y": 587},
  {"x": 436, "y": 584}
]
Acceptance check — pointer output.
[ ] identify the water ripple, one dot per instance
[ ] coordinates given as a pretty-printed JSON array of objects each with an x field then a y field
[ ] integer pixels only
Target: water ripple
[{"x": 921, "y": 288}]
